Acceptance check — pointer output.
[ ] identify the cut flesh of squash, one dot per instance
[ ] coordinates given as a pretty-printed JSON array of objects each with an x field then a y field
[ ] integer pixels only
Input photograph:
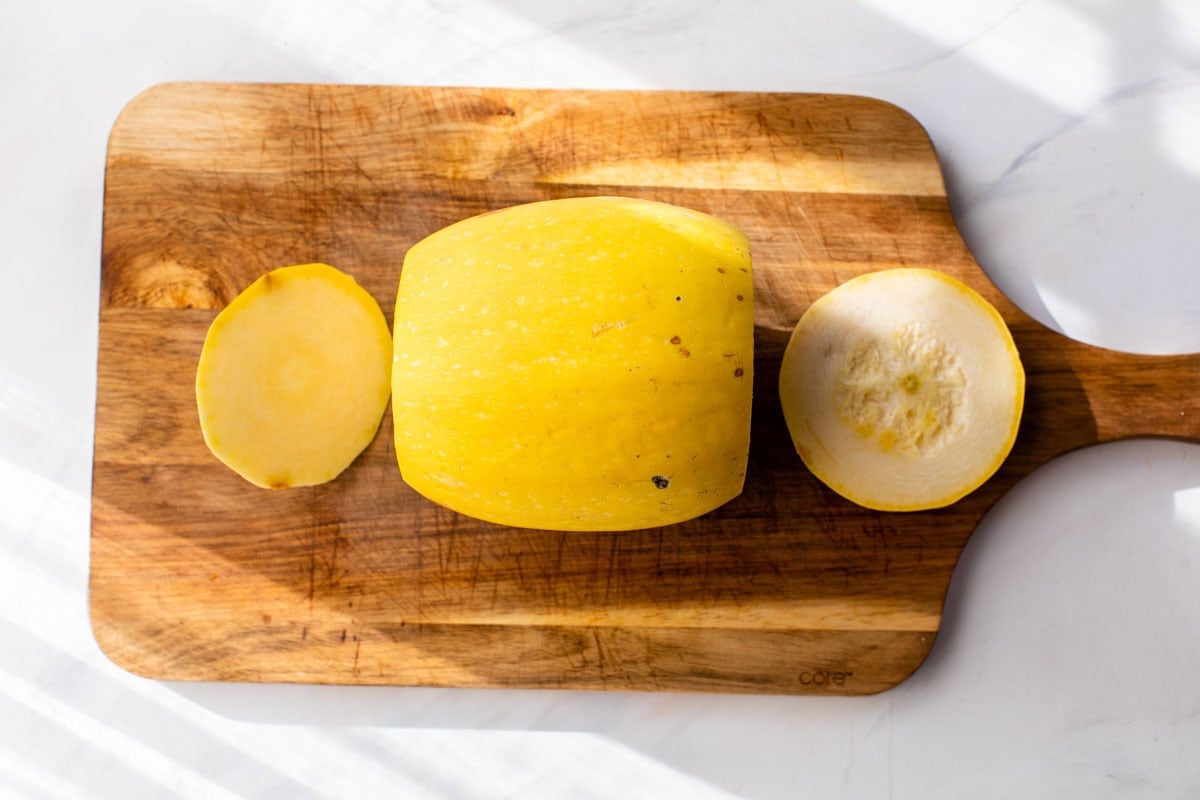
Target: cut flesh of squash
[
  {"x": 902, "y": 389},
  {"x": 576, "y": 364},
  {"x": 294, "y": 377}
]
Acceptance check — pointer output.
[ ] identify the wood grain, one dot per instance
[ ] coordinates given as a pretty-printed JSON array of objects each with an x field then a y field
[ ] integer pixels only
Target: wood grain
[{"x": 197, "y": 575}]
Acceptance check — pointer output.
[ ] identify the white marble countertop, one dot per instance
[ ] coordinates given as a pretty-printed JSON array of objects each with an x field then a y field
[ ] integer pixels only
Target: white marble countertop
[{"x": 1069, "y": 665}]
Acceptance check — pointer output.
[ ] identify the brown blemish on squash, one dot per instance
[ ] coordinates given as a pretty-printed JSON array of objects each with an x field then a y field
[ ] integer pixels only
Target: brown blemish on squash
[
  {"x": 740, "y": 298},
  {"x": 683, "y": 351},
  {"x": 739, "y": 372},
  {"x": 675, "y": 339}
]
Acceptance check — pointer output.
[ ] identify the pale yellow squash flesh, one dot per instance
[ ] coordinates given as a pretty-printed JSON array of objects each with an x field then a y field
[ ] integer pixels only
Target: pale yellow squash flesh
[
  {"x": 294, "y": 377},
  {"x": 577, "y": 364},
  {"x": 902, "y": 389}
]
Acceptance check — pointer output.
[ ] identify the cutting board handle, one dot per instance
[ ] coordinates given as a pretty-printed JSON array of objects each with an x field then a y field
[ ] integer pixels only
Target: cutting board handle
[
  {"x": 1140, "y": 395},
  {"x": 1079, "y": 395}
]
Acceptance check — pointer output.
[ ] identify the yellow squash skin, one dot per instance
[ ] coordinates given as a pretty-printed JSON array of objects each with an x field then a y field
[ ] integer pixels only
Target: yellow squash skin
[
  {"x": 576, "y": 364},
  {"x": 294, "y": 376}
]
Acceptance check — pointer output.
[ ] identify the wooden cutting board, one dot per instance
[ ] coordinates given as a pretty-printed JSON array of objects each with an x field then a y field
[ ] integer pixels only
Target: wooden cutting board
[{"x": 195, "y": 574}]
